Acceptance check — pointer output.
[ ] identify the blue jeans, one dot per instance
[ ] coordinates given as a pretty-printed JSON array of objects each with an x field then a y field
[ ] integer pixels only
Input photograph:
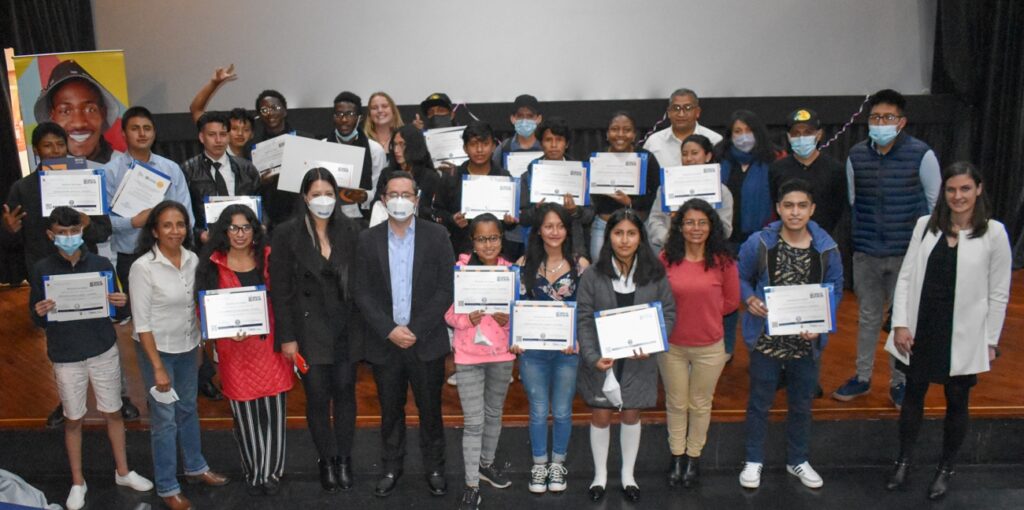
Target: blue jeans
[
  {"x": 801, "y": 383},
  {"x": 597, "y": 237},
  {"x": 173, "y": 425},
  {"x": 550, "y": 381}
]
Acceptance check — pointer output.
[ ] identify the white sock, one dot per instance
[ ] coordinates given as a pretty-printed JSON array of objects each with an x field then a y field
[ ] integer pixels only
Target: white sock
[
  {"x": 629, "y": 440},
  {"x": 599, "y": 439}
]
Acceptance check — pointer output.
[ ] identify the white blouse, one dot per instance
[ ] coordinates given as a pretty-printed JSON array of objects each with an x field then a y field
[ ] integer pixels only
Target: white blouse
[{"x": 163, "y": 300}]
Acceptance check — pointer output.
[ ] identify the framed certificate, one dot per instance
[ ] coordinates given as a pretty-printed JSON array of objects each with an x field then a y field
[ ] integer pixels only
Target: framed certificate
[
  {"x": 79, "y": 296},
  {"x": 215, "y": 205},
  {"x": 624, "y": 332},
  {"x": 240, "y": 311},
  {"x": 487, "y": 288},
  {"x": 794, "y": 309},
  {"x": 81, "y": 190},
  {"x": 517, "y": 163},
  {"x": 681, "y": 183},
  {"x": 445, "y": 145},
  {"x": 618, "y": 171},
  {"x": 497, "y": 195},
  {"x": 543, "y": 325},
  {"x": 550, "y": 182},
  {"x": 141, "y": 188}
]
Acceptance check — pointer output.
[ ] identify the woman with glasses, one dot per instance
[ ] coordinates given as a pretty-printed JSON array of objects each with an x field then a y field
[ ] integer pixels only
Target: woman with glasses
[
  {"x": 408, "y": 153},
  {"x": 313, "y": 254},
  {"x": 254, "y": 377}
]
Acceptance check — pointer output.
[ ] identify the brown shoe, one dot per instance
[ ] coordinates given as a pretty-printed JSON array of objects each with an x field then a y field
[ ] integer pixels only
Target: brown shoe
[
  {"x": 177, "y": 502},
  {"x": 208, "y": 478}
]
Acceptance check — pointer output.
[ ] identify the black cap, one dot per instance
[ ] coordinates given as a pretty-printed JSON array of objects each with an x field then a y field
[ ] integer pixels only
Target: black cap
[
  {"x": 803, "y": 116},
  {"x": 70, "y": 70},
  {"x": 527, "y": 101},
  {"x": 436, "y": 99}
]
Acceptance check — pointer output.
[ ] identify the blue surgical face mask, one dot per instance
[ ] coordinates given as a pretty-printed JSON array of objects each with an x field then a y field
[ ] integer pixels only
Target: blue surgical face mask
[
  {"x": 68, "y": 244},
  {"x": 744, "y": 142},
  {"x": 882, "y": 135},
  {"x": 803, "y": 146},
  {"x": 351, "y": 136},
  {"x": 525, "y": 127}
]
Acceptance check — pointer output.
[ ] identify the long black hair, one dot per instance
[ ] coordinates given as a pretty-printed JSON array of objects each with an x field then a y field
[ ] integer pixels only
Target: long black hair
[
  {"x": 942, "y": 216},
  {"x": 762, "y": 149},
  {"x": 648, "y": 267},
  {"x": 146, "y": 238},
  {"x": 535, "y": 253},
  {"x": 483, "y": 219},
  {"x": 416, "y": 154},
  {"x": 716, "y": 250},
  {"x": 313, "y": 175},
  {"x": 207, "y": 273}
]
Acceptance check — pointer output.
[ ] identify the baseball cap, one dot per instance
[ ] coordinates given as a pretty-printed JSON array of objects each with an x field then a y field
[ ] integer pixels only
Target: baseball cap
[
  {"x": 803, "y": 116},
  {"x": 436, "y": 99}
]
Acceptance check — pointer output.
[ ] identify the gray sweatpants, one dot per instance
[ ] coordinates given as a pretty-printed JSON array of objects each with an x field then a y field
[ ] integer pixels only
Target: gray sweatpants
[
  {"x": 482, "y": 390},
  {"x": 874, "y": 281}
]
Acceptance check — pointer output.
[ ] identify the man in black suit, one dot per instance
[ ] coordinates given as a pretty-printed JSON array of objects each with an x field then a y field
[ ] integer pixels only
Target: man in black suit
[{"x": 403, "y": 286}]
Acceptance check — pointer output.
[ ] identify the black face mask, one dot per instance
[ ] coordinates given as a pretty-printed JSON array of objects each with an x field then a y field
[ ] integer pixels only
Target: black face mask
[{"x": 439, "y": 121}]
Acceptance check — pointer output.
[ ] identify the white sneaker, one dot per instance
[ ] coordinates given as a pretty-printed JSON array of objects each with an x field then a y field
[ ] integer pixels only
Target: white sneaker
[
  {"x": 538, "y": 479},
  {"x": 750, "y": 477},
  {"x": 76, "y": 498},
  {"x": 807, "y": 475},
  {"x": 133, "y": 480},
  {"x": 556, "y": 477},
  {"x": 452, "y": 381}
]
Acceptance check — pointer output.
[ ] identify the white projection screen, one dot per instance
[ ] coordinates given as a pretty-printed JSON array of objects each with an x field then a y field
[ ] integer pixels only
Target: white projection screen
[{"x": 480, "y": 51}]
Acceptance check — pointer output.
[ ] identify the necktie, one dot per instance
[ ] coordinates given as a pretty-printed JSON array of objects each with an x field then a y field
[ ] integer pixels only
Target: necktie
[{"x": 222, "y": 185}]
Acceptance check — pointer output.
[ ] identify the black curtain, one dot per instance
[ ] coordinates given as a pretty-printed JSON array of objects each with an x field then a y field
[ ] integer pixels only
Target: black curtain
[{"x": 979, "y": 57}]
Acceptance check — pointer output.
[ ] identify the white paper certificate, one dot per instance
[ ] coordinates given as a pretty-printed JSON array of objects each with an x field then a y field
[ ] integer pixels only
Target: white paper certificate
[
  {"x": 240, "y": 311},
  {"x": 141, "y": 188},
  {"x": 78, "y": 296},
  {"x": 215, "y": 205},
  {"x": 617, "y": 171},
  {"x": 793, "y": 309},
  {"x": 551, "y": 182},
  {"x": 487, "y": 288},
  {"x": 345, "y": 174},
  {"x": 493, "y": 194},
  {"x": 81, "y": 190},
  {"x": 268, "y": 155},
  {"x": 445, "y": 145},
  {"x": 624, "y": 332},
  {"x": 544, "y": 325},
  {"x": 517, "y": 163},
  {"x": 681, "y": 183}
]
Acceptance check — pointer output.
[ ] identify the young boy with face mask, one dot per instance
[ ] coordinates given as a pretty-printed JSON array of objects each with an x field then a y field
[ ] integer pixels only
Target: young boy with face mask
[{"x": 525, "y": 117}]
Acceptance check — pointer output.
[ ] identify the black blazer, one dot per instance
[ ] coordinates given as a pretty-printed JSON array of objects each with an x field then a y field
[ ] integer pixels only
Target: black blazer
[
  {"x": 313, "y": 306},
  {"x": 432, "y": 292}
]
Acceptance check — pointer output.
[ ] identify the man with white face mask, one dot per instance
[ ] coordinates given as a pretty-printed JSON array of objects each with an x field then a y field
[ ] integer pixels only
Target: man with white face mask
[{"x": 403, "y": 286}]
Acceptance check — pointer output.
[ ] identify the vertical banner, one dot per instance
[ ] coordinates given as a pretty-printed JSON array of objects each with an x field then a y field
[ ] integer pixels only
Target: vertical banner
[{"x": 16, "y": 119}]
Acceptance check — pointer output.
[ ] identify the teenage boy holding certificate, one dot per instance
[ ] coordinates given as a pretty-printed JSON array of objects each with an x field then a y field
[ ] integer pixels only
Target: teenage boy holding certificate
[
  {"x": 791, "y": 251},
  {"x": 82, "y": 351}
]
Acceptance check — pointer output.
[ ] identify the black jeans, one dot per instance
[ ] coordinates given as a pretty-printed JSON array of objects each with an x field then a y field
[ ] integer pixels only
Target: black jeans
[
  {"x": 955, "y": 426},
  {"x": 393, "y": 380},
  {"x": 327, "y": 384}
]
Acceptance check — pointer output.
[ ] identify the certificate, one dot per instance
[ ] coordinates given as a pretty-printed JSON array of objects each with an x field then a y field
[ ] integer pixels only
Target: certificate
[
  {"x": 497, "y": 195},
  {"x": 69, "y": 163},
  {"x": 623, "y": 332},
  {"x": 79, "y": 296},
  {"x": 268, "y": 155},
  {"x": 345, "y": 174},
  {"x": 618, "y": 171},
  {"x": 81, "y": 190},
  {"x": 299, "y": 154},
  {"x": 543, "y": 325},
  {"x": 517, "y": 163},
  {"x": 551, "y": 182},
  {"x": 793, "y": 309},
  {"x": 227, "y": 313},
  {"x": 141, "y": 188},
  {"x": 485, "y": 288},
  {"x": 446, "y": 145},
  {"x": 215, "y": 205},
  {"x": 681, "y": 183}
]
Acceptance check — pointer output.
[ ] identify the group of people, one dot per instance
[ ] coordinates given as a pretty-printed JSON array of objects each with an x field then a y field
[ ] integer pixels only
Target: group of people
[{"x": 342, "y": 291}]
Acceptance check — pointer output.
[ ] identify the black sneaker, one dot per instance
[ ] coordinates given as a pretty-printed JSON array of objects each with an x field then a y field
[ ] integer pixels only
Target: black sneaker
[
  {"x": 56, "y": 418},
  {"x": 493, "y": 476},
  {"x": 470, "y": 499}
]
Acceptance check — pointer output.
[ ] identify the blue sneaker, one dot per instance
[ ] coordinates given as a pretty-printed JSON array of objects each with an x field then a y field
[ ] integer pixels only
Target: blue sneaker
[
  {"x": 896, "y": 394},
  {"x": 852, "y": 389}
]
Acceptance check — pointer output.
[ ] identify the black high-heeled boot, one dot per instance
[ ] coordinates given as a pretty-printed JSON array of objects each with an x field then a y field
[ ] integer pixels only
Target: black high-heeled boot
[
  {"x": 343, "y": 468},
  {"x": 328, "y": 475},
  {"x": 691, "y": 476},
  {"x": 940, "y": 484},
  {"x": 898, "y": 477},
  {"x": 675, "y": 470}
]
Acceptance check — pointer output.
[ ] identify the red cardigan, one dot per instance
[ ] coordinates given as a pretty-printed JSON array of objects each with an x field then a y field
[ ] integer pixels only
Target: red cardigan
[{"x": 250, "y": 369}]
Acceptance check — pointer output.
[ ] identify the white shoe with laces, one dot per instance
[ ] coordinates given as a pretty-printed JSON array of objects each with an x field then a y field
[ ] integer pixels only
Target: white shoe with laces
[
  {"x": 750, "y": 477},
  {"x": 76, "y": 498},
  {"x": 133, "y": 480},
  {"x": 452, "y": 381},
  {"x": 807, "y": 475},
  {"x": 538, "y": 479},
  {"x": 556, "y": 477}
]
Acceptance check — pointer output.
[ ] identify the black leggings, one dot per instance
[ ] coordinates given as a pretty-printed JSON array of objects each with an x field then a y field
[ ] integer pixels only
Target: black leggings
[
  {"x": 324, "y": 384},
  {"x": 955, "y": 426}
]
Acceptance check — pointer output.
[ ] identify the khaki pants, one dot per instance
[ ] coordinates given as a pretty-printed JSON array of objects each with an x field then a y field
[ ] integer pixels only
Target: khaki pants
[{"x": 690, "y": 375}]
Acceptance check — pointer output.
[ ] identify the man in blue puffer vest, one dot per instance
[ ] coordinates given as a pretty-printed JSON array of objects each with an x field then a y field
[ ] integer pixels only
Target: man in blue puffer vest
[{"x": 893, "y": 179}]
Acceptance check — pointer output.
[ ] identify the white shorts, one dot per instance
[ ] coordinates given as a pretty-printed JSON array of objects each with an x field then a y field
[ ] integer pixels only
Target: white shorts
[{"x": 104, "y": 371}]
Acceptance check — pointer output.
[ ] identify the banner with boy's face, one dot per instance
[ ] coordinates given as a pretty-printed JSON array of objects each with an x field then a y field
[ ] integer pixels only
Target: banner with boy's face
[{"x": 85, "y": 93}]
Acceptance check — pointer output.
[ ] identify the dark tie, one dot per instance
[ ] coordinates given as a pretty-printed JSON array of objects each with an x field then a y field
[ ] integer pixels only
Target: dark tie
[{"x": 222, "y": 185}]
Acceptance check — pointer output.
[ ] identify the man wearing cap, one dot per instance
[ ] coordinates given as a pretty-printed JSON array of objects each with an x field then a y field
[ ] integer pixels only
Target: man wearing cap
[
  {"x": 347, "y": 115},
  {"x": 826, "y": 175},
  {"x": 525, "y": 118},
  {"x": 436, "y": 111},
  {"x": 683, "y": 111},
  {"x": 79, "y": 104}
]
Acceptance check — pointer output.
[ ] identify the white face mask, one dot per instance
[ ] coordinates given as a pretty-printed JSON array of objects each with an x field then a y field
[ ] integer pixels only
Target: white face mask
[
  {"x": 400, "y": 208},
  {"x": 322, "y": 206}
]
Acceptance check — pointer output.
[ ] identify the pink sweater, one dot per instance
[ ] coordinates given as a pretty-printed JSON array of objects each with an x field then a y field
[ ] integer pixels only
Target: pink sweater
[
  {"x": 702, "y": 298},
  {"x": 467, "y": 352}
]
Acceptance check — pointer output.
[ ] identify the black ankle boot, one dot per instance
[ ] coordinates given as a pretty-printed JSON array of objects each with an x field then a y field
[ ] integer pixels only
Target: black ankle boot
[
  {"x": 328, "y": 475},
  {"x": 898, "y": 477},
  {"x": 675, "y": 470},
  {"x": 940, "y": 484},
  {"x": 343, "y": 468},
  {"x": 692, "y": 474}
]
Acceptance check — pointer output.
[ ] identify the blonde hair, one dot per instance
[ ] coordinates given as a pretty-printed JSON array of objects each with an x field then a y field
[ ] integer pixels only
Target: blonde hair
[{"x": 370, "y": 128}]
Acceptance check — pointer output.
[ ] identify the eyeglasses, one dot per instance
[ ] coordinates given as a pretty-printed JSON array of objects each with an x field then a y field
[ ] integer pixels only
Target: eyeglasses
[
  {"x": 267, "y": 110},
  {"x": 487, "y": 240},
  {"x": 682, "y": 108},
  {"x": 889, "y": 118},
  {"x": 345, "y": 115},
  {"x": 394, "y": 195},
  {"x": 696, "y": 223},
  {"x": 234, "y": 229}
]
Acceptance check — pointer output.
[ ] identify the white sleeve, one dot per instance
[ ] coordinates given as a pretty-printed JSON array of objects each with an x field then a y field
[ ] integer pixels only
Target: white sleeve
[{"x": 999, "y": 269}]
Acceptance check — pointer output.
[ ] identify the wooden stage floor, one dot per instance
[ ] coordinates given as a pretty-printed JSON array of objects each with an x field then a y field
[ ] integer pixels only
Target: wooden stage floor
[{"x": 28, "y": 392}]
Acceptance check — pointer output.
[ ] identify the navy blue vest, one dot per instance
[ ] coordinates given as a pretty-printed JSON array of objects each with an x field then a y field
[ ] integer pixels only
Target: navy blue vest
[{"x": 889, "y": 197}]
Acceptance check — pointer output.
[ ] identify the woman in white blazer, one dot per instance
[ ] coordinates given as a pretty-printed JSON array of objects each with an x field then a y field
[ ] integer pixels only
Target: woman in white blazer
[{"x": 948, "y": 311}]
